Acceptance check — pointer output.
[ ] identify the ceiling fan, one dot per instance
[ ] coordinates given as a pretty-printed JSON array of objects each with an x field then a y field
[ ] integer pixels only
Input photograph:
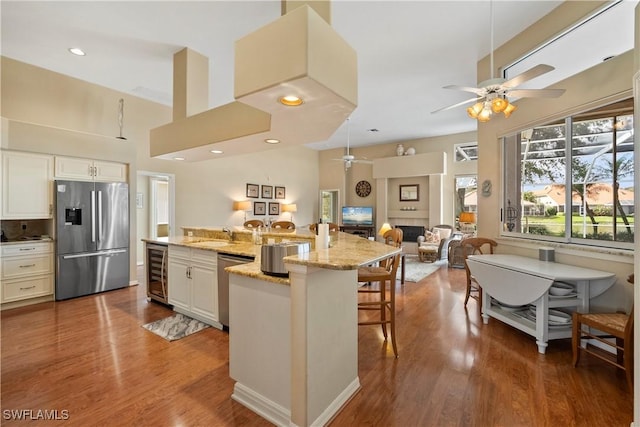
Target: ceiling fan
[
  {"x": 491, "y": 95},
  {"x": 349, "y": 158}
]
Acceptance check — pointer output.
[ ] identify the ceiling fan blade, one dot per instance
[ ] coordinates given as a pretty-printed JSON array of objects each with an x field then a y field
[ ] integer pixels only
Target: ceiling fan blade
[
  {"x": 458, "y": 104},
  {"x": 531, "y": 73},
  {"x": 477, "y": 90},
  {"x": 536, "y": 93},
  {"x": 369, "y": 162}
]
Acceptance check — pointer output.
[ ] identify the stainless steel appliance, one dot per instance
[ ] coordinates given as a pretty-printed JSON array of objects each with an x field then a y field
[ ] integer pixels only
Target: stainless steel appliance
[
  {"x": 156, "y": 264},
  {"x": 225, "y": 260},
  {"x": 92, "y": 237},
  {"x": 271, "y": 256}
]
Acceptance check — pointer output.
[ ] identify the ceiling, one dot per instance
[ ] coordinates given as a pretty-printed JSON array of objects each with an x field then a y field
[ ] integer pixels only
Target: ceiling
[{"x": 407, "y": 51}]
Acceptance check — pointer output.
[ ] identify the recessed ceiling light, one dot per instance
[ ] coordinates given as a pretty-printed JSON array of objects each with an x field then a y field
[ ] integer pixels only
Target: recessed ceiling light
[
  {"x": 291, "y": 101},
  {"x": 77, "y": 51},
  {"x": 178, "y": 158},
  {"x": 272, "y": 141},
  {"x": 217, "y": 151}
]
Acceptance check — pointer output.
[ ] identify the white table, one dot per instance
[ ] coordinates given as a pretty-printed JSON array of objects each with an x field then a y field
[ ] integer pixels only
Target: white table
[{"x": 518, "y": 280}]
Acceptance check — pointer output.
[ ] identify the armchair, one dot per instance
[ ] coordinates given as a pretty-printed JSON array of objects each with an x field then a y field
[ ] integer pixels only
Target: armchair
[{"x": 438, "y": 238}]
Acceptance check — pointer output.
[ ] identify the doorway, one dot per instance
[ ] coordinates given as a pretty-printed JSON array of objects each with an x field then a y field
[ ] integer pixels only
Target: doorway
[
  {"x": 329, "y": 205},
  {"x": 155, "y": 205}
]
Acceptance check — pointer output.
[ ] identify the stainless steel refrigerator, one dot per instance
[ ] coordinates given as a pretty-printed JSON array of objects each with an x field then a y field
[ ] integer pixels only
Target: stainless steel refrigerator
[{"x": 92, "y": 237}]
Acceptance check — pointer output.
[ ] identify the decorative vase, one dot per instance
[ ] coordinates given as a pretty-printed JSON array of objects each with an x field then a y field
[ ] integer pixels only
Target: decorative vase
[{"x": 400, "y": 150}]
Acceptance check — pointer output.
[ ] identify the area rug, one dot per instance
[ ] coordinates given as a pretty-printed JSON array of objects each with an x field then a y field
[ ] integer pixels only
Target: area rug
[
  {"x": 416, "y": 270},
  {"x": 175, "y": 327}
]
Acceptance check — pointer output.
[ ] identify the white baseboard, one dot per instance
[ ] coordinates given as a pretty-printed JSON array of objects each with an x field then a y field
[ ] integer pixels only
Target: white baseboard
[
  {"x": 335, "y": 406},
  {"x": 262, "y": 406}
]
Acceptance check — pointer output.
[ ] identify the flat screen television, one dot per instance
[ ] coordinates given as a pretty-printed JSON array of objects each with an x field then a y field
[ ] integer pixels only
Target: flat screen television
[{"x": 357, "y": 215}]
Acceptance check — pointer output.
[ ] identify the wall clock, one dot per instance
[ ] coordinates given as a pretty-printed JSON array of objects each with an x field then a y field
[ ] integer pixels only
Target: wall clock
[{"x": 363, "y": 188}]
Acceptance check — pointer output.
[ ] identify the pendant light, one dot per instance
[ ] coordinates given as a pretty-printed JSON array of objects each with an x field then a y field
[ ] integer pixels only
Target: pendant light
[{"x": 121, "y": 118}]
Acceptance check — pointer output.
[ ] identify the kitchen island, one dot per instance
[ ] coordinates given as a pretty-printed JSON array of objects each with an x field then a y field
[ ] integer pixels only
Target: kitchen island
[{"x": 294, "y": 341}]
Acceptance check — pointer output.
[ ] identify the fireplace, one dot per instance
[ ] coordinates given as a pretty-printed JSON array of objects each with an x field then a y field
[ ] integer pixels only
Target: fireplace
[{"x": 410, "y": 233}]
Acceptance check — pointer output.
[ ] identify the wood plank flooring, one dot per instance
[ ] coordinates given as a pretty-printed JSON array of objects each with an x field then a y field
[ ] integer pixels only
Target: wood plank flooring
[{"x": 90, "y": 357}]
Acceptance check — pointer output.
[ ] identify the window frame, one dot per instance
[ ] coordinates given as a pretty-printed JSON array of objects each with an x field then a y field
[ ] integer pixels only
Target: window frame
[{"x": 568, "y": 149}]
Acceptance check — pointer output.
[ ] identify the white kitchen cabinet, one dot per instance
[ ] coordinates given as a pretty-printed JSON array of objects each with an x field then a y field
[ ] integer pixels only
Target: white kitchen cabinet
[
  {"x": 27, "y": 185},
  {"x": 27, "y": 271},
  {"x": 87, "y": 169},
  {"x": 193, "y": 283}
]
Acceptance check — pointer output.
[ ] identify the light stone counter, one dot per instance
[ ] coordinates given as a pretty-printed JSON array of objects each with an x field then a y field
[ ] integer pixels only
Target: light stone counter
[
  {"x": 293, "y": 343},
  {"x": 346, "y": 251}
]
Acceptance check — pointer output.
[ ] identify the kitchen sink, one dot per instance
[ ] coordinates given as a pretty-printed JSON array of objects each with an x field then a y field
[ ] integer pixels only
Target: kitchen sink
[{"x": 211, "y": 244}]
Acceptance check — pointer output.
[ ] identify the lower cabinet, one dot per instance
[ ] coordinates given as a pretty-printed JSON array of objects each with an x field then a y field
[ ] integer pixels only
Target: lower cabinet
[
  {"x": 193, "y": 277},
  {"x": 27, "y": 271}
]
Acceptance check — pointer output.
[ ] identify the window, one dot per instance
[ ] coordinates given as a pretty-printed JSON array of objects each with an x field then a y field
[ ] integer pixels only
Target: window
[
  {"x": 465, "y": 152},
  {"x": 582, "y": 46},
  {"x": 572, "y": 180}
]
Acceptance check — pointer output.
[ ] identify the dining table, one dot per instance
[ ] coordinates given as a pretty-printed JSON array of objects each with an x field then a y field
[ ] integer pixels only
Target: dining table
[{"x": 516, "y": 291}]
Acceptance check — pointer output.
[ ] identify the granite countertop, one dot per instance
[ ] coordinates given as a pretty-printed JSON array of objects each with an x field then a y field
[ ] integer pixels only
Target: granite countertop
[
  {"x": 346, "y": 251},
  {"x": 26, "y": 241}
]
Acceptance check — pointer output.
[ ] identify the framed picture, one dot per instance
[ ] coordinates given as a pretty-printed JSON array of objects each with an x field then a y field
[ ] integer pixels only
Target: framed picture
[
  {"x": 267, "y": 192},
  {"x": 259, "y": 208},
  {"x": 409, "y": 193},
  {"x": 253, "y": 190},
  {"x": 280, "y": 192},
  {"x": 274, "y": 208}
]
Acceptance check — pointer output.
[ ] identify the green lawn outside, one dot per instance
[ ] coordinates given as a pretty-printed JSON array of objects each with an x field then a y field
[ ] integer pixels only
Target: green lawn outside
[{"x": 554, "y": 225}]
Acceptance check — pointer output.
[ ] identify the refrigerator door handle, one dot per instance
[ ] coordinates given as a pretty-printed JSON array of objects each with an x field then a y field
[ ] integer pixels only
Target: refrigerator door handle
[
  {"x": 99, "y": 215},
  {"x": 93, "y": 216},
  {"x": 90, "y": 254}
]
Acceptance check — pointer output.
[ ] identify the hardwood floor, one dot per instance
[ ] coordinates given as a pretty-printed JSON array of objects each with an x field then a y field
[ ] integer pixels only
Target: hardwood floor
[{"x": 90, "y": 357}]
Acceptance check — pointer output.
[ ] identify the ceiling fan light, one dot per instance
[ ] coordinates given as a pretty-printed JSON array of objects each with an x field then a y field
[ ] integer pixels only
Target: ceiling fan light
[
  {"x": 510, "y": 109},
  {"x": 498, "y": 105},
  {"x": 475, "y": 109},
  {"x": 484, "y": 116}
]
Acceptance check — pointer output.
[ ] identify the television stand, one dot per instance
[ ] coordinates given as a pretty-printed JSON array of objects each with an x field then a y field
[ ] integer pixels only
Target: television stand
[{"x": 365, "y": 231}]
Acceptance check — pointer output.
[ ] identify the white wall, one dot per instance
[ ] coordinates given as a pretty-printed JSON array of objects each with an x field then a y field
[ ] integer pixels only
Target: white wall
[{"x": 56, "y": 114}]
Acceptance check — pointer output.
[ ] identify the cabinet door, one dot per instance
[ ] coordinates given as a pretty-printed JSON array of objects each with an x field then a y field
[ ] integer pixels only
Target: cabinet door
[
  {"x": 72, "y": 168},
  {"x": 109, "y": 171},
  {"x": 26, "y": 186},
  {"x": 179, "y": 288},
  {"x": 204, "y": 280}
]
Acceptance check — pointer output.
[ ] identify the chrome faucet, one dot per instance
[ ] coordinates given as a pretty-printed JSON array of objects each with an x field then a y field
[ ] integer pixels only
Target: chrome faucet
[{"x": 229, "y": 232}]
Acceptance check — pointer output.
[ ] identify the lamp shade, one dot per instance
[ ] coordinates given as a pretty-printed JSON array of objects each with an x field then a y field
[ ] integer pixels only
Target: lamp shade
[
  {"x": 510, "y": 109},
  {"x": 385, "y": 227},
  {"x": 469, "y": 217},
  {"x": 242, "y": 206},
  {"x": 290, "y": 208}
]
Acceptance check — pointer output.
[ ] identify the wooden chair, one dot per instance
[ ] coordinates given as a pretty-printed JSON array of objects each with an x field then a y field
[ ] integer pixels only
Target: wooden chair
[
  {"x": 287, "y": 225},
  {"x": 613, "y": 325},
  {"x": 253, "y": 223},
  {"x": 385, "y": 272},
  {"x": 332, "y": 227},
  {"x": 471, "y": 246}
]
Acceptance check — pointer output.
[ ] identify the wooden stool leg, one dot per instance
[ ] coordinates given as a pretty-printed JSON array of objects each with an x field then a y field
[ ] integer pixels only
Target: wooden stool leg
[
  {"x": 575, "y": 342},
  {"x": 383, "y": 308},
  {"x": 392, "y": 310}
]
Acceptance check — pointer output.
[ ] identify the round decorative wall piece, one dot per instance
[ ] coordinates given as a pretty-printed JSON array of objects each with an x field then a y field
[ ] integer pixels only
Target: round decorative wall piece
[{"x": 363, "y": 188}]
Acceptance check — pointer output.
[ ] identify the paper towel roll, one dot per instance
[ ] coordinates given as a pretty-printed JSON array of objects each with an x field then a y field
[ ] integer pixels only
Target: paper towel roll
[{"x": 322, "y": 239}]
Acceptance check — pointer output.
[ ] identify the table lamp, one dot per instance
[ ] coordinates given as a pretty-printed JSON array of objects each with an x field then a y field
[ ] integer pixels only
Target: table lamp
[
  {"x": 467, "y": 222},
  {"x": 385, "y": 227},
  {"x": 291, "y": 208},
  {"x": 244, "y": 205}
]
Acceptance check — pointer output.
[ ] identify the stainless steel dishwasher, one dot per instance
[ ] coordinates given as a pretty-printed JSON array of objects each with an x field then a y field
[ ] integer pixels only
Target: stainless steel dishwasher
[{"x": 225, "y": 260}]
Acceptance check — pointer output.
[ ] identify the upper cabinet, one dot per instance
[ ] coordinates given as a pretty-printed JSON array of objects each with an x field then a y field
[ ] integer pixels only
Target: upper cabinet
[
  {"x": 87, "y": 169},
  {"x": 27, "y": 185}
]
